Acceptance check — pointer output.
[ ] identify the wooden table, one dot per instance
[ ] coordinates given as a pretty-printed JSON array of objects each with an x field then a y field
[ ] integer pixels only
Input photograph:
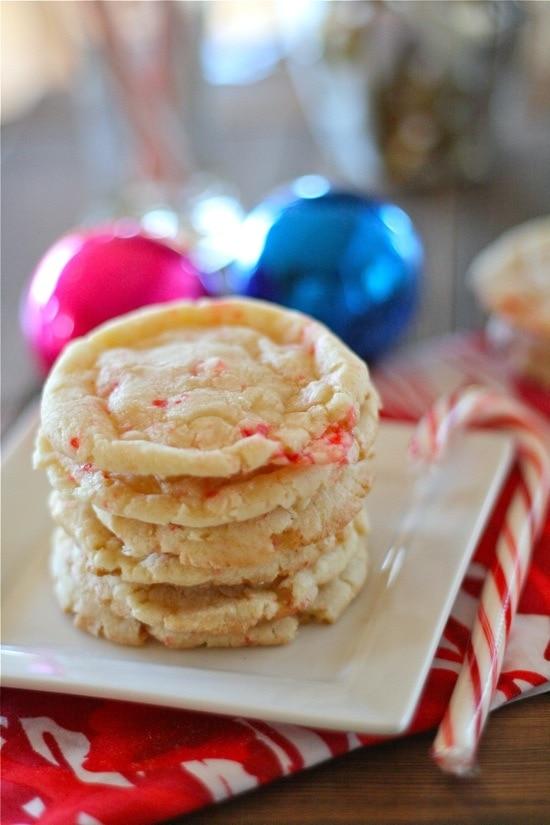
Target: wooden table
[{"x": 257, "y": 137}]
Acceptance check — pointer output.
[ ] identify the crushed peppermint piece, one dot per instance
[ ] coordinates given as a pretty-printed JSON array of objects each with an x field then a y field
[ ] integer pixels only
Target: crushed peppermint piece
[{"x": 255, "y": 429}]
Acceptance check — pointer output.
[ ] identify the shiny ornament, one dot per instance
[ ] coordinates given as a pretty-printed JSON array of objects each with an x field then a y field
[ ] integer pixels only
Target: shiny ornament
[
  {"x": 353, "y": 262},
  {"x": 88, "y": 277}
]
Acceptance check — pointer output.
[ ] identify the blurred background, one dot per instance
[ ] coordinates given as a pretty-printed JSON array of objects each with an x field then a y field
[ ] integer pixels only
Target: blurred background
[{"x": 187, "y": 114}]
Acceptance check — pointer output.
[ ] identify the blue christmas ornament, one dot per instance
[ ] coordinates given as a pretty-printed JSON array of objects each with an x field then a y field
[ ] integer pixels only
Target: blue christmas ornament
[{"x": 351, "y": 261}]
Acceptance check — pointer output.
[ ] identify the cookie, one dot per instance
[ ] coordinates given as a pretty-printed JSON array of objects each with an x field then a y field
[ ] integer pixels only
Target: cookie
[
  {"x": 247, "y": 542},
  {"x": 186, "y": 501},
  {"x": 511, "y": 279},
  {"x": 194, "y": 502},
  {"x": 95, "y": 614},
  {"x": 223, "y": 549},
  {"x": 208, "y": 389}
]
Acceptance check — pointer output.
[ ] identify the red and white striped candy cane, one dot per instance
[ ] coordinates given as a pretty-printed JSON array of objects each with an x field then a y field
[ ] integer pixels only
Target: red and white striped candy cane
[{"x": 458, "y": 736}]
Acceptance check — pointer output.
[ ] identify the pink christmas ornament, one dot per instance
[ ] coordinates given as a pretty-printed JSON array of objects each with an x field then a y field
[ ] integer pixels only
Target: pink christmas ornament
[{"x": 89, "y": 276}]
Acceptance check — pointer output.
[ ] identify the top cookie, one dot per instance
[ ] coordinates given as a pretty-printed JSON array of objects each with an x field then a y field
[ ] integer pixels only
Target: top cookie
[{"x": 212, "y": 388}]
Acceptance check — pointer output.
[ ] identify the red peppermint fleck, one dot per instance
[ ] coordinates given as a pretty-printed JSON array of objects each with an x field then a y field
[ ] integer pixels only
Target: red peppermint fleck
[
  {"x": 338, "y": 435},
  {"x": 290, "y": 457},
  {"x": 255, "y": 429},
  {"x": 87, "y": 468},
  {"x": 219, "y": 367},
  {"x": 160, "y": 402},
  {"x": 75, "y": 442},
  {"x": 293, "y": 458},
  {"x": 333, "y": 436}
]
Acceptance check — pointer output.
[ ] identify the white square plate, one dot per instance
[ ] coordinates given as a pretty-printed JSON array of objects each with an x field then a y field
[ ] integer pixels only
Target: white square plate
[{"x": 365, "y": 673}]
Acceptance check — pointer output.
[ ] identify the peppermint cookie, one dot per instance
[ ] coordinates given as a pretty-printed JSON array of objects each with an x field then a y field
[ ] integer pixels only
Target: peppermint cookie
[
  {"x": 248, "y": 542},
  {"x": 201, "y": 502},
  {"x": 210, "y": 389},
  {"x": 511, "y": 279},
  {"x": 186, "y": 500},
  {"x": 131, "y": 615}
]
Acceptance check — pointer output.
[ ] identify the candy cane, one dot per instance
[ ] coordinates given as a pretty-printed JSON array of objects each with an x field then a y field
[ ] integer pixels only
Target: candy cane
[{"x": 458, "y": 736}]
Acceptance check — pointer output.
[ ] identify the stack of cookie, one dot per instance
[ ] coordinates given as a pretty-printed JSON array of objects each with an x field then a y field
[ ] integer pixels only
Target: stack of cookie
[{"x": 209, "y": 464}]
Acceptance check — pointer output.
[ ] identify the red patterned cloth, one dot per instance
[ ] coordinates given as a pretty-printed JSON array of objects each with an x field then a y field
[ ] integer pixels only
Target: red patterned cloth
[{"x": 79, "y": 761}]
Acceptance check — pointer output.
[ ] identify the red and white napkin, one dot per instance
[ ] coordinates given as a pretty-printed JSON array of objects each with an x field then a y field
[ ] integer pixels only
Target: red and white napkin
[{"x": 77, "y": 761}]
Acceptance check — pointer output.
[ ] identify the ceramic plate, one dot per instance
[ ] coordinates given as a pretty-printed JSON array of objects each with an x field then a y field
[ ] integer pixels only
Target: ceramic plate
[{"x": 363, "y": 674}]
